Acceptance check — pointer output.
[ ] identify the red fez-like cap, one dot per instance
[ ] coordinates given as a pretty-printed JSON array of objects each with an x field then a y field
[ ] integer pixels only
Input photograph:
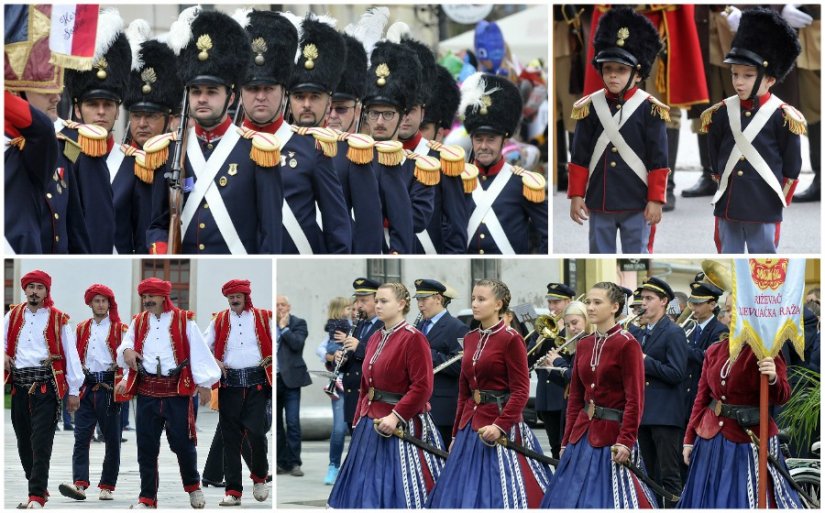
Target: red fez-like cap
[
  {"x": 239, "y": 287},
  {"x": 157, "y": 287},
  {"x": 38, "y": 276},
  {"x": 103, "y": 290}
]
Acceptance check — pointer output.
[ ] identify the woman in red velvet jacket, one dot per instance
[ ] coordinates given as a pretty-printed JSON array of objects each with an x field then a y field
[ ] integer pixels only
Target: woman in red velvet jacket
[
  {"x": 493, "y": 390},
  {"x": 604, "y": 410},
  {"x": 723, "y": 462},
  {"x": 381, "y": 470}
]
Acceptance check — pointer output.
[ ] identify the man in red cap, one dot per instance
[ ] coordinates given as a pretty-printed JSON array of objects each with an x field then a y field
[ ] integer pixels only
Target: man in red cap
[
  {"x": 41, "y": 365},
  {"x": 241, "y": 338},
  {"x": 97, "y": 341},
  {"x": 168, "y": 361}
]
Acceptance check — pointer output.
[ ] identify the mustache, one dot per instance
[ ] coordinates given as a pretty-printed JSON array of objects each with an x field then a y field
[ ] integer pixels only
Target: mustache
[
  {"x": 236, "y": 303},
  {"x": 147, "y": 304}
]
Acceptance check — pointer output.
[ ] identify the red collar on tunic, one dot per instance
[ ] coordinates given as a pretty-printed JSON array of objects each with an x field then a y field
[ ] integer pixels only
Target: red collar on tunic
[
  {"x": 214, "y": 133},
  {"x": 412, "y": 143},
  {"x": 491, "y": 170},
  {"x": 748, "y": 104},
  {"x": 615, "y": 97},
  {"x": 269, "y": 128}
]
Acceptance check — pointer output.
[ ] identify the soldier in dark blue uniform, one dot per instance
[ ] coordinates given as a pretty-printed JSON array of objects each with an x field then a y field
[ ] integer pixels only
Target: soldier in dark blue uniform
[
  {"x": 443, "y": 332},
  {"x": 618, "y": 176},
  {"x": 447, "y": 229},
  {"x": 665, "y": 359},
  {"x": 355, "y": 347},
  {"x": 405, "y": 180},
  {"x": 754, "y": 137},
  {"x": 89, "y": 149},
  {"x": 507, "y": 202},
  {"x": 153, "y": 94},
  {"x": 232, "y": 186}
]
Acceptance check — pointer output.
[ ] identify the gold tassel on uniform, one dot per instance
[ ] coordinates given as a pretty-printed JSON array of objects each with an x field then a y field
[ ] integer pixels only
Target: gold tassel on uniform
[
  {"x": 142, "y": 173},
  {"x": 658, "y": 108},
  {"x": 266, "y": 149},
  {"x": 156, "y": 150},
  {"x": 534, "y": 185},
  {"x": 360, "y": 149},
  {"x": 326, "y": 138},
  {"x": 581, "y": 109},
  {"x": 92, "y": 140},
  {"x": 794, "y": 120},
  {"x": 390, "y": 153},
  {"x": 427, "y": 169},
  {"x": 18, "y": 142},
  {"x": 469, "y": 177},
  {"x": 706, "y": 118},
  {"x": 452, "y": 159}
]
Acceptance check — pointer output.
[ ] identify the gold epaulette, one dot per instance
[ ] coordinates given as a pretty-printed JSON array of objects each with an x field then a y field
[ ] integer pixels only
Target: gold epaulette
[
  {"x": 360, "y": 149},
  {"x": 266, "y": 148},
  {"x": 390, "y": 153},
  {"x": 142, "y": 173},
  {"x": 534, "y": 185},
  {"x": 451, "y": 156},
  {"x": 427, "y": 169},
  {"x": 658, "y": 108},
  {"x": 469, "y": 177},
  {"x": 90, "y": 138},
  {"x": 325, "y": 138},
  {"x": 794, "y": 120},
  {"x": 706, "y": 118},
  {"x": 18, "y": 142},
  {"x": 156, "y": 150},
  {"x": 71, "y": 149},
  {"x": 581, "y": 109}
]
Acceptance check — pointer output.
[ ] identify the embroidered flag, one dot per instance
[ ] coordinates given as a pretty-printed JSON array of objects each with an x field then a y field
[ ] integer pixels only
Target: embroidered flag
[{"x": 72, "y": 37}]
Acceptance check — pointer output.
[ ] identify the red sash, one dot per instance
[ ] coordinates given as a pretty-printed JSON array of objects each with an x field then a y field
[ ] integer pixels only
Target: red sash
[
  {"x": 116, "y": 330},
  {"x": 263, "y": 335},
  {"x": 57, "y": 320}
]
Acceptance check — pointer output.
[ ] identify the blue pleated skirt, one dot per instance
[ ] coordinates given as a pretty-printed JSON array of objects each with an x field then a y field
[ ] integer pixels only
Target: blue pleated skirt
[
  {"x": 383, "y": 472},
  {"x": 479, "y": 476},
  {"x": 725, "y": 474},
  {"x": 587, "y": 478}
]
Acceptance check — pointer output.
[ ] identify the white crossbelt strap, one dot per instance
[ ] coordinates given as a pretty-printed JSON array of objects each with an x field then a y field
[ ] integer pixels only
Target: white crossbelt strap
[
  {"x": 611, "y": 132},
  {"x": 484, "y": 210},
  {"x": 113, "y": 162},
  {"x": 744, "y": 146},
  {"x": 205, "y": 172},
  {"x": 8, "y": 250},
  {"x": 422, "y": 148},
  {"x": 291, "y": 224},
  {"x": 426, "y": 243},
  {"x": 387, "y": 237}
]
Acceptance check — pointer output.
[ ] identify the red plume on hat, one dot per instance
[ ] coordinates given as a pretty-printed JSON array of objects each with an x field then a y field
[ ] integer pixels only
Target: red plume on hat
[
  {"x": 38, "y": 276},
  {"x": 157, "y": 287},
  {"x": 102, "y": 290},
  {"x": 239, "y": 287}
]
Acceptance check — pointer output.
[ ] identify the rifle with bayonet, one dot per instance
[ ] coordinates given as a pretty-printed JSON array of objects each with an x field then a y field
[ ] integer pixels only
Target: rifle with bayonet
[{"x": 176, "y": 177}]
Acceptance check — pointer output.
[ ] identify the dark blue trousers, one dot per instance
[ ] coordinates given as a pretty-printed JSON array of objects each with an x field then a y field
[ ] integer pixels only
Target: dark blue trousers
[
  {"x": 96, "y": 407},
  {"x": 243, "y": 417}
]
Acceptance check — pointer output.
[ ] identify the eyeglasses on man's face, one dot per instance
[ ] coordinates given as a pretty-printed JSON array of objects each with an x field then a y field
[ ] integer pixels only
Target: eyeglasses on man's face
[{"x": 388, "y": 115}]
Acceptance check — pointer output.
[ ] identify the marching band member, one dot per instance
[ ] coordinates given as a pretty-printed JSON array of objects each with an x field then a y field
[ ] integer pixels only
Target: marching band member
[
  {"x": 493, "y": 389},
  {"x": 603, "y": 415},
  {"x": 381, "y": 470}
]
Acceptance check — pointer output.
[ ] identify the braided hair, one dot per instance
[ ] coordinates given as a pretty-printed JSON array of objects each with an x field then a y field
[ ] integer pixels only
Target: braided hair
[
  {"x": 614, "y": 293},
  {"x": 400, "y": 292},
  {"x": 500, "y": 292}
]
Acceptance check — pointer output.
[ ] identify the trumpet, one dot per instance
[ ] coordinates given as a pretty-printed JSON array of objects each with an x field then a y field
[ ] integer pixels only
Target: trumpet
[
  {"x": 634, "y": 320},
  {"x": 566, "y": 345},
  {"x": 547, "y": 327},
  {"x": 687, "y": 321},
  {"x": 330, "y": 388}
]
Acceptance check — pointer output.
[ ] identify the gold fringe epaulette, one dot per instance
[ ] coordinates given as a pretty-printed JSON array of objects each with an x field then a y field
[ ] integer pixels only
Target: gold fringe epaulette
[
  {"x": 794, "y": 120},
  {"x": 706, "y": 118},
  {"x": 469, "y": 177},
  {"x": 427, "y": 169},
  {"x": 325, "y": 138},
  {"x": 18, "y": 142},
  {"x": 142, "y": 173},
  {"x": 451, "y": 156},
  {"x": 658, "y": 108},
  {"x": 581, "y": 109},
  {"x": 156, "y": 150},
  {"x": 266, "y": 148},
  {"x": 534, "y": 185},
  {"x": 390, "y": 153},
  {"x": 360, "y": 147},
  {"x": 93, "y": 140}
]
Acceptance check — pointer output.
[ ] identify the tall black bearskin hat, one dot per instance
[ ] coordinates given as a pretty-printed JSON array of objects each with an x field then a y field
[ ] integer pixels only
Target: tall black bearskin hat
[
  {"x": 427, "y": 60},
  {"x": 766, "y": 41},
  {"x": 154, "y": 85},
  {"x": 490, "y": 104},
  {"x": 322, "y": 56},
  {"x": 626, "y": 37},
  {"x": 444, "y": 101},
  {"x": 394, "y": 76},
  {"x": 213, "y": 49},
  {"x": 110, "y": 69},
  {"x": 353, "y": 81},
  {"x": 274, "y": 40}
]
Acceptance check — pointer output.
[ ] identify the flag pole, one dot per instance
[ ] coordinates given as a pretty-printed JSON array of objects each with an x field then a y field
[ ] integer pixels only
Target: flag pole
[{"x": 763, "y": 441}]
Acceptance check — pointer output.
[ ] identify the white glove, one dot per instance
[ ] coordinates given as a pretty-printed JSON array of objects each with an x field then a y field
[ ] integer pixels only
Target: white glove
[
  {"x": 796, "y": 18},
  {"x": 733, "y": 15}
]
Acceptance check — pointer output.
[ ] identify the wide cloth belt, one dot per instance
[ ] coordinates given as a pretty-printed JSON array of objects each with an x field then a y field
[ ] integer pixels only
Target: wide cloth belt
[
  {"x": 93, "y": 378},
  {"x": 734, "y": 411},
  {"x": 373, "y": 394},
  {"x": 31, "y": 375},
  {"x": 600, "y": 412},
  {"x": 248, "y": 377},
  {"x": 157, "y": 386},
  {"x": 491, "y": 396}
]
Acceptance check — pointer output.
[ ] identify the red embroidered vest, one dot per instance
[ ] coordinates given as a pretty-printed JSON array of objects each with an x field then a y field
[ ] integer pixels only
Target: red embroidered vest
[
  {"x": 263, "y": 335},
  {"x": 57, "y": 320},
  {"x": 116, "y": 330}
]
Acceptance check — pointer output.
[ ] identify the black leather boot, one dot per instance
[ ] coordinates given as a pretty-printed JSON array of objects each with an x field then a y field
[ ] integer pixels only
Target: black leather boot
[
  {"x": 705, "y": 186},
  {"x": 672, "y": 150},
  {"x": 814, "y": 191}
]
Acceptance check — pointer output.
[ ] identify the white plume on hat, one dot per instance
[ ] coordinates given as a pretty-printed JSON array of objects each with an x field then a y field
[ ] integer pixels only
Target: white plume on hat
[
  {"x": 137, "y": 32},
  {"x": 370, "y": 28},
  {"x": 472, "y": 92},
  {"x": 297, "y": 22},
  {"x": 328, "y": 20},
  {"x": 242, "y": 17},
  {"x": 109, "y": 27},
  {"x": 397, "y": 31},
  {"x": 181, "y": 30}
]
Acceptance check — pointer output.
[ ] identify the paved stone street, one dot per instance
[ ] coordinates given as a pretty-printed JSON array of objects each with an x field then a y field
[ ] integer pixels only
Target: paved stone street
[{"x": 170, "y": 493}]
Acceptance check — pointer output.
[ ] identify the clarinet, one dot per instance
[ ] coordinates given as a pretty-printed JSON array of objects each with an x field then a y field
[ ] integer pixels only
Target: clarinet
[
  {"x": 330, "y": 388},
  {"x": 417, "y": 320}
]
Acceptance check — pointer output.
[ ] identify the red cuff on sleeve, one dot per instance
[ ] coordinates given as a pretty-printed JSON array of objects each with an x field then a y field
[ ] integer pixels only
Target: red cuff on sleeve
[
  {"x": 577, "y": 177},
  {"x": 788, "y": 188},
  {"x": 158, "y": 248},
  {"x": 18, "y": 114},
  {"x": 657, "y": 184}
]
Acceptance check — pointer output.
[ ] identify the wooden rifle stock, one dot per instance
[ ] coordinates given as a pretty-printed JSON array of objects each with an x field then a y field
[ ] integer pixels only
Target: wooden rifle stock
[{"x": 176, "y": 176}]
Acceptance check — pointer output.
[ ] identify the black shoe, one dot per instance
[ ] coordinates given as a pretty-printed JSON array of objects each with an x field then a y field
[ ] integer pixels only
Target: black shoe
[
  {"x": 128, "y": 428},
  {"x": 68, "y": 427},
  {"x": 809, "y": 195},
  {"x": 215, "y": 484},
  {"x": 671, "y": 202},
  {"x": 124, "y": 440},
  {"x": 281, "y": 470},
  {"x": 269, "y": 478},
  {"x": 705, "y": 186}
]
